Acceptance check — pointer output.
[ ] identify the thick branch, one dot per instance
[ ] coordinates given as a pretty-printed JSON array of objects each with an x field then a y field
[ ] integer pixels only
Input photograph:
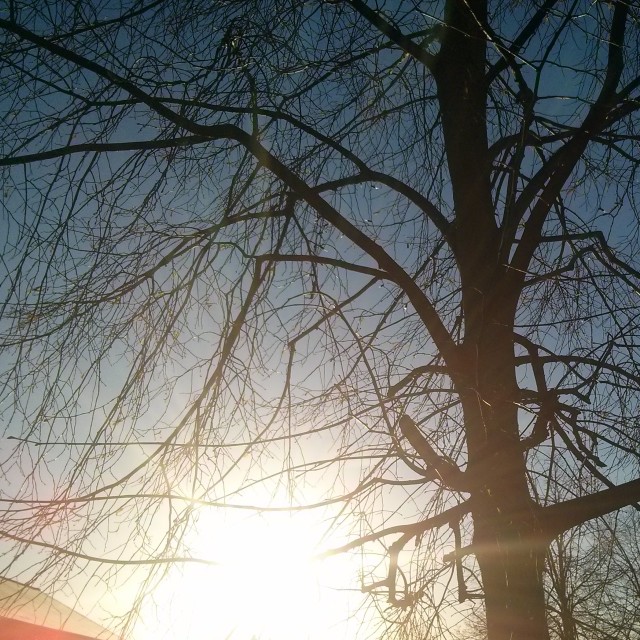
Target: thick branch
[
  {"x": 365, "y": 173},
  {"x": 447, "y": 470},
  {"x": 555, "y": 172},
  {"x": 394, "y": 34},
  {"x": 415, "y": 529},
  {"x": 570, "y": 360},
  {"x": 396, "y": 273},
  {"x": 332, "y": 262},
  {"x": 416, "y": 373},
  {"x": 509, "y": 54},
  {"x": 558, "y": 518},
  {"x": 103, "y": 147},
  {"x": 389, "y": 582}
]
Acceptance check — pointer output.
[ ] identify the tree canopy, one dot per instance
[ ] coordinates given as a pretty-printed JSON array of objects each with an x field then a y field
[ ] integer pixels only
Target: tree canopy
[{"x": 378, "y": 257}]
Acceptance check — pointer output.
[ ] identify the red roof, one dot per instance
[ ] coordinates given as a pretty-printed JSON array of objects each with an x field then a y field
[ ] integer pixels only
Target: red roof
[
  {"x": 12, "y": 629},
  {"x": 26, "y": 613}
]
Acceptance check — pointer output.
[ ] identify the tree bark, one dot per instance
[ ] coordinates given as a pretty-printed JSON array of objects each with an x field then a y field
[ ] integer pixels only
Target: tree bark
[
  {"x": 514, "y": 594},
  {"x": 511, "y": 554},
  {"x": 510, "y": 542}
]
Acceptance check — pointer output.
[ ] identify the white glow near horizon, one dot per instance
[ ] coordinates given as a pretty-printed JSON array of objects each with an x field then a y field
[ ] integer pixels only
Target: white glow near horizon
[{"x": 266, "y": 586}]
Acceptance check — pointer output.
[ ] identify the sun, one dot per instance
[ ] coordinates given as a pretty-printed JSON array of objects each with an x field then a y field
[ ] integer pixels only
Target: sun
[
  {"x": 268, "y": 578},
  {"x": 266, "y": 584}
]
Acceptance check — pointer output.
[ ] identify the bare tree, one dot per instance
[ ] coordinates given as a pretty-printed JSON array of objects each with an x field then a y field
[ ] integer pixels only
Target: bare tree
[
  {"x": 591, "y": 583},
  {"x": 593, "y": 576},
  {"x": 388, "y": 244}
]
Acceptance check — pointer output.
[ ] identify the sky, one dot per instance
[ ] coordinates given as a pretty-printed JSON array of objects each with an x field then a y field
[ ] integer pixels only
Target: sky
[{"x": 139, "y": 367}]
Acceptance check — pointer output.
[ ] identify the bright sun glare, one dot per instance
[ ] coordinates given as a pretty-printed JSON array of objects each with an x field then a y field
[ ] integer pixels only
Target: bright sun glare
[{"x": 267, "y": 586}]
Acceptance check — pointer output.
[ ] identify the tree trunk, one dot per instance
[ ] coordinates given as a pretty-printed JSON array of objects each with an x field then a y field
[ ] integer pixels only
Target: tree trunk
[
  {"x": 509, "y": 541},
  {"x": 507, "y": 535},
  {"x": 511, "y": 558}
]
